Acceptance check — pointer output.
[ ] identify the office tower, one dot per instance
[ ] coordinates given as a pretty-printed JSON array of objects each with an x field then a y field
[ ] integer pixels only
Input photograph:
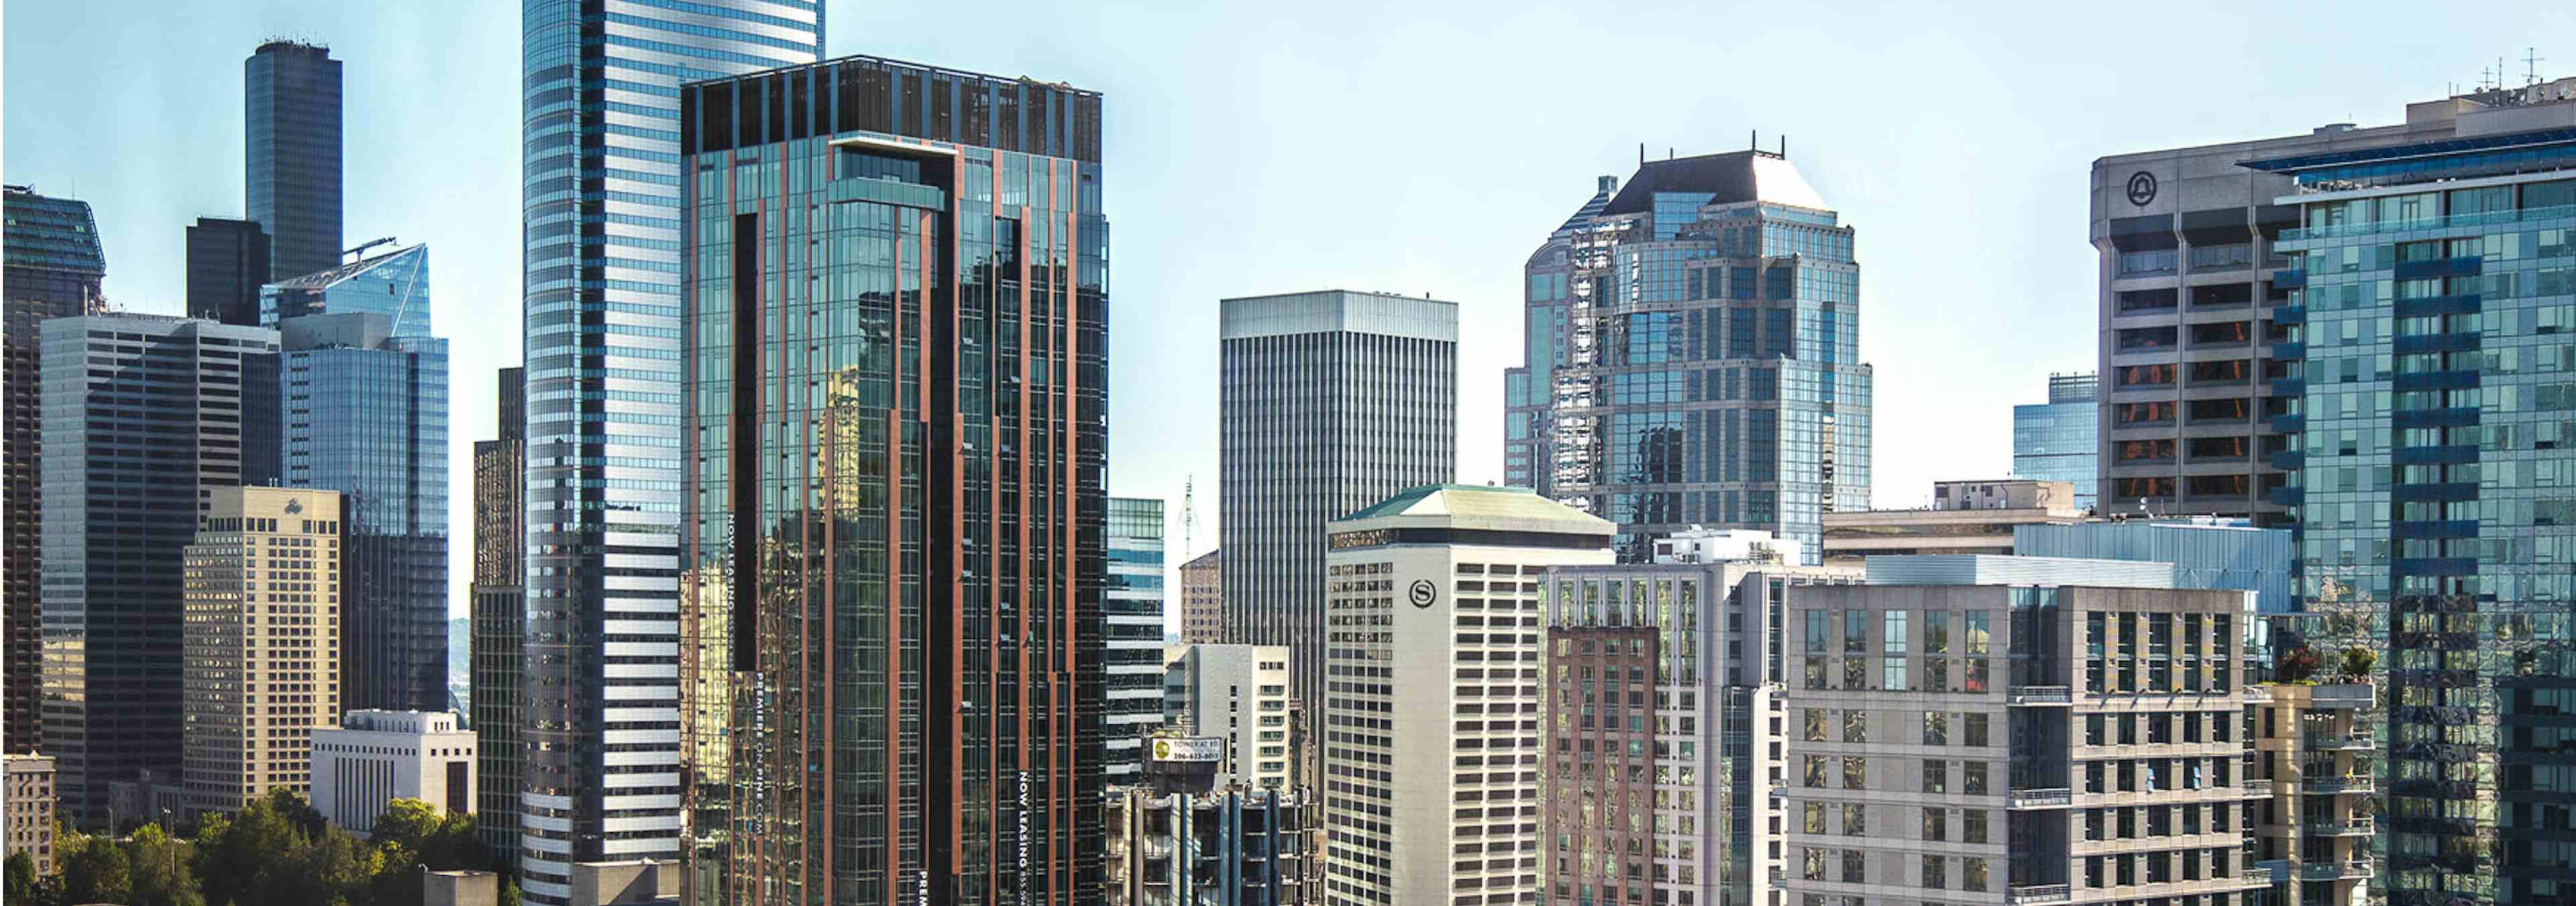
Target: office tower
[
  {"x": 1182, "y": 835},
  {"x": 1966, "y": 517},
  {"x": 2427, "y": 296},
  {"x": 500, "y": 532},
  {"x": 1119, "y": 685},
  {"x": 291, "y": 132},
  {"x": 30, "y": 803},
  {"x": 51, "y": 268},
  {"x": 2205, "y": 552},
  {"x": 227, "y": 264},
  {"x": 2014, "y": 729},
  {"x": 394, "y": 284},
  {"x": 2312, "y": 758},
  {"x": 937, "y": 396},
  {"x": 1693, "y": 356},
  {"x": 263, "y": 642},
  {"x": 363, "y": 411},
  {"x": 1661, "y": 694},
  {"x": 1238, "y": 693},
  {"x": 150, "y": 415},
  {"x": 602, "y": 230},
  {"x": 1330, "y": 401},
  {"x": 1203, "y": 600},
  {"x": 1432, "y": 757},
  {"x": 2055, "y": 440},
  {"x": 374, "y": 757}
]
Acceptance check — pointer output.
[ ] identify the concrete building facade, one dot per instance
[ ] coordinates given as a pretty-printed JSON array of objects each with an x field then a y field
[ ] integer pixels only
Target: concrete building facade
[
  {"x": 1203, "y": 600},
  {"x": 263, "y": 653},
  {"x": 1966, "y": 517},
  {"x": 2312, "y": 760},
  {"x": 1239, "y": 693},
  {"x": 1433, "y": 745},
  {"x": 29, "y": 805},
  {"x": 374, "y": 757}
]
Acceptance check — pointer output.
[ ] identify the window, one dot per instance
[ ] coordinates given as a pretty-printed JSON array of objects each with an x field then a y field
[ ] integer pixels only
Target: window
[
  {"x": 1856, "y": 725},
  {"x": 1972, "y": 874},
  {"x": 1936, "y": 775},
  {"x": 1815, "y": 771},
  {"x": 1972, "y": 778},
  {"x": 1978, "y": 636},
  {"x": 1852, "y": 867},
  {"x": 1977, "y": 729},
  {"x": 1816, "y": 632},
  {"x": 1973, "y": 828},
  {"x": 1936, "y": 632},
  {"x": 1936, "y": 728},
  {"x": 1855, "y": 819},
  {"x": 1815, "y": 817},
  {"x": 1815, "y": 724},
  {"x": 1855, "y": 632},
  {"x": 1855, "y": 772},
  {"x": 1932, "y": 873},
  {"x": 1936, "y": 824},
  {"x": 1813, "y": 866},
  {"x": 1976, "y": 674}
]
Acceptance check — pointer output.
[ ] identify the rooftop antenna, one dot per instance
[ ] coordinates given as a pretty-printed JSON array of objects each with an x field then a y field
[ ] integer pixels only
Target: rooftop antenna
[
  {"x": 1784, "y": 146},
  {"x": 1189, "y": 517},
  {"x": 1755, "y": 142},
  {"x": 2531, "y": 65}
]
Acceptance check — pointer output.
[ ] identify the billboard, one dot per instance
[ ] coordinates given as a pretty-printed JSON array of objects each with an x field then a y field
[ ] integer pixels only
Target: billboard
[{"x": 1189, "y": 748}]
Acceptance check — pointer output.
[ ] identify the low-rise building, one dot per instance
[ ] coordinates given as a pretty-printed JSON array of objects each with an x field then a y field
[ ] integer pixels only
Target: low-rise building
[
  {"x": 1238, "y": 693},
  {"x": 30, "y": 805},
  {"x": 375, "y": 757},
  {"x": 1187, "y": 837},
  {"x": 1966, "y": 517}
]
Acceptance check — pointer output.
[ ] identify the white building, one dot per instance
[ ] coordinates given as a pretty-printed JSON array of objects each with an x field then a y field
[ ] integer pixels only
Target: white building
[
  {"x": 1701, "y": 544},
  {"x": 1239, "y": 692},
  {"x": 1431, "y": 712},
  {"x": 375, "y": 757}
]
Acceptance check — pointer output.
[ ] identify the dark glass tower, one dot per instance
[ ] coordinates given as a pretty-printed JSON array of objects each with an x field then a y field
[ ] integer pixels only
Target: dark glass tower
[
  {"x": 500, "y": 534},
  {"x": 52, "y": 269},
  {"x": 364, "y": 412},
  {"x": 1121, "y": 692},
  {"x": 291, "y": 113},
  {"x": 1693, "y": 356},
  {"x": 227, "y": 262},
  {"x": 895, "y": 316},
  {"x": 151, "y": 414},
  {"x": 600, "y": 147}
]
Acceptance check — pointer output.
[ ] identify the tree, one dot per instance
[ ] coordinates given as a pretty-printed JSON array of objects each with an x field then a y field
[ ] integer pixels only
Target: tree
[
  {"x": 22, "y": 878},
  {"x": 2295, "y": 665},
  {"x": 163, "y": 872},
  {"x": 442, "y": 841},
  {"x": 94, "y": 870},
  {"x": 2357, "y": 663}
]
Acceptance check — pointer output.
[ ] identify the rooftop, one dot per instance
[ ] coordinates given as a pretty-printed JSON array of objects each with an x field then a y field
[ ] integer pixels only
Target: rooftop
[
  {"x": 1730, "y": 178},
  {"x": 1478, "y": 502}
]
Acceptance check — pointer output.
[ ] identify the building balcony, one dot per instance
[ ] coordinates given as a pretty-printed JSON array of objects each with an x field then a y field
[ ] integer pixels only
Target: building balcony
[
  {"x": 2286, "y": 495},
  {"x": 2289, "y": 424},
  {"x": 2461, "y": 341},
  {"x": 2448, "y": 417},
  {"x": 2362, "y": 783},
  {"x": 2288, "y": 386},
  {"x": 2289, "y": 349},
  {"x": 2355, "y": 870},
  {"x": 2290, "y": 314},
  {"x": 2287, "y": 460},
  {"x": 2039, "y": 695},
  {"x": 2260, "y": 875},
  {"x": 2468, "y": 303},
  {"x": 2289, "y": 278},
  {"x": 2460, "y": 266},
  {"x": 2342, "y": 696},
  {"x": 2437, "y": 454},
  {"x": 2461, "y": 379},
  {"x": 2054, "y": 797},
  {"x": 2032, "y": 894},
  {"x": 2361, "y": 827},
  {"x": 2343, "y": 743}
]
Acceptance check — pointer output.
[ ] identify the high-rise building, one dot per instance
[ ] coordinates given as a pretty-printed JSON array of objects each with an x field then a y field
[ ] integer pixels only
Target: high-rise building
[
  {"x": 51, "y": 268},
  {"x": 148, "y": 417},
  {"x": 394, "y": 284},
  {"x": 1661, "y": 695},
  {"x": 2055, "y": 440},
  {"x": 893, "y": 649},
  {"x": 1119, "y": 678},
  {"x": 2018, "y": 730},
  {"x": 2313, "y": 747},
  {"x": 1203, "y": 600},
  {"x": 363, "y": 411},
  {"x": 1434, "y": 750},
  {"x": 1693, "y": 356},
  {"x": 2428, "y": 287},
  {"x": 1329, "y": 402},
  {"x": 291, "y": 135},
  {"x": 1183, "y": 835},
  {"x": 600, "y": 142},
  {"x": 1237, "y": 693},
  {"x": 374, "y": 757},
  {"x": 262, "y": 660},
  {"x": 227, "y": 265},
  {"x": 29, "y": 808},
  {"x": 498, "y": 612}
]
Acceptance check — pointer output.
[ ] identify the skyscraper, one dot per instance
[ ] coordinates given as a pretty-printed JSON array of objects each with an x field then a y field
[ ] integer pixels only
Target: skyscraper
[
  {"x": 52, "y": 268},
  {"x": 1693, "y": 356},
  {"x": 1120, "y": 665},
  {"x": 263, "y": 642},
  {"x": 227, "y": 263},
  {"x": 150, "y": 415},
  {"x": 895, "y": 524},
  {"x": 2430, "y": 293},
  {"x": 2054, "y": 441},
  {"x": 500, "y": 533},
  {"x": 394, "y": 284},
  {"x": 1203, "y": 600},
  {"x": 363, "y": 411},
  {"x": 1330, "y": 402},
  {"x": 291, "y": 130},
  {"x": 600, "y": 142}
]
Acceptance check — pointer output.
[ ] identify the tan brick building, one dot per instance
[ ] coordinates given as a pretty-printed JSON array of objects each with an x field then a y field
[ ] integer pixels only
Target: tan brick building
[{"x": 263, "y": 642}]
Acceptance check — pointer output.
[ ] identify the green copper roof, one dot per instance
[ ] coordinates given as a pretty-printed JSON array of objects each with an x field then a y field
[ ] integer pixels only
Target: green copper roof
[{"x": 1470, "y": 500}]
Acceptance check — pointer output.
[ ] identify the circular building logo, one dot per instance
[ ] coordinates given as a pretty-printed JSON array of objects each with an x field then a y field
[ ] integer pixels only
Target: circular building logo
[
  {"x": 2142, "y": 188},
  {"x": 1423, "y": 593}
]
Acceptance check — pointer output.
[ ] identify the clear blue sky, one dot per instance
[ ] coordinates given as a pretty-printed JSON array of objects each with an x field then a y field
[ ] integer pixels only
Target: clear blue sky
[{"x": 1260, "y": 148}]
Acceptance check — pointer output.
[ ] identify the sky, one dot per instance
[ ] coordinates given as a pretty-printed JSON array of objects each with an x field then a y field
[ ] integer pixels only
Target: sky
[{"x": 1355, "y": 144}]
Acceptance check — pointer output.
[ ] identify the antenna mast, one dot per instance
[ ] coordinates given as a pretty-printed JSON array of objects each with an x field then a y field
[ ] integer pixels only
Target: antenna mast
[{"x": 1189, "y": 517}]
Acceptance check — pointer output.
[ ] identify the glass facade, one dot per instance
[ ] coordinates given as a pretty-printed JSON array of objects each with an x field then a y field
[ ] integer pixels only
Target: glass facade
[
  {"x": 2055, "y": 440},
  {"x": 50, "y": 267},
  {"x": 1122, "y": 648},
  {"x": 600, "y": 151},
  {"x": 365, "y": 414},
  {"x": 498, "y": 610},
  {"x": 291, "y": 136},
  {"x": 894, "y": 313},
  {"x": 1693, "y": 357},
  {"x": 394, "y": 284},
  {"x": 2431, "y": 334},
  {"x": 227, "y": 263}
]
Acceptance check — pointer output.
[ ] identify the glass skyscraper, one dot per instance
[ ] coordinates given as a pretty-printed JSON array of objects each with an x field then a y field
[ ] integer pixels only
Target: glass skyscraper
[
  {"x": 2054, "y": 441},
  {"x": 895, "y": 526},
  {"x": 394, "y": 284},
  {"x": 600, "y": 145},
  {"x": 363, "y": 411},
  {"x": 1693, "y": 356},
  {"x": 1122, "y": 648},
  {"x": 500, "y": 545},
  {"x": 291, "y": 135},
  {"x": 52, "y": 269},
  {"x": 227, "y": 264},
  {"x": 2430, "y": 313}
]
